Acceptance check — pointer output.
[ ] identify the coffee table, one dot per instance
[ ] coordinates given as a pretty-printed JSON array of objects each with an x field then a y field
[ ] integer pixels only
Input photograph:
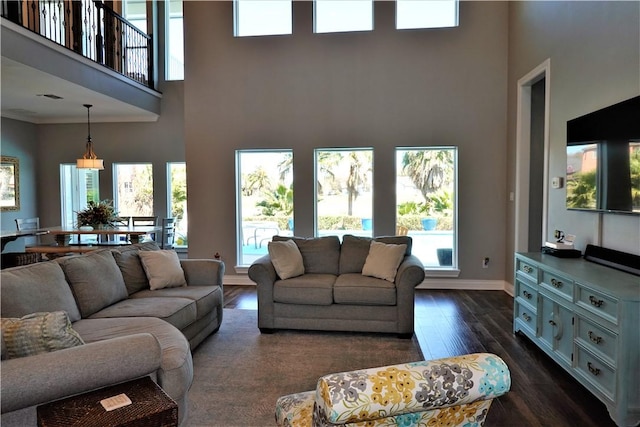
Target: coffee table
[{"x": 150, "y": 406}]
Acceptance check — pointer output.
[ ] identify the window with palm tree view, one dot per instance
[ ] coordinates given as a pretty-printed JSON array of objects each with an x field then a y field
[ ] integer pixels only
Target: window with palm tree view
[
  {"x": 426, "y": 203},
  {"x": 265, "y": 200},
  {"x": 425, "y": 199}
]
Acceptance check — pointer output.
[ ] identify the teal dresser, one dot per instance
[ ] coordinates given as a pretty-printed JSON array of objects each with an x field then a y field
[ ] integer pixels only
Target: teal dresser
[{"x": 586, "y": 317}]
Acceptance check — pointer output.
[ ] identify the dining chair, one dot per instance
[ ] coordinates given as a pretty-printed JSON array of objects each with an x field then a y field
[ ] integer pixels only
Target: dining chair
[
  {"x": 149, "y": 221},
  {"x": 23, "y": 224},
  {"x": 117, "y": 239},
  {"x": 13, "y": 259},
  {"x": 168, "y": 233}
]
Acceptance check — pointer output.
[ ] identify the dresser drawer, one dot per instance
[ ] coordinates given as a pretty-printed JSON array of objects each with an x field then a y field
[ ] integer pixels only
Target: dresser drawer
[
  {"x": 597, "y": 339},
  {"x": 527, "y": 269},
  {"x": 597, "y": 372},
  {"x": 558, "y": 284},
  {"x": 598, "y": 303},
  {"x": 527, "y": 293},
  {"x": 527, "y": 317}
]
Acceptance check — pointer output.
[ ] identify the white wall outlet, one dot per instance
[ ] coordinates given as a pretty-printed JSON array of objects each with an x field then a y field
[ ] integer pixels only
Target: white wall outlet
[{"x": 556, "y": 182}]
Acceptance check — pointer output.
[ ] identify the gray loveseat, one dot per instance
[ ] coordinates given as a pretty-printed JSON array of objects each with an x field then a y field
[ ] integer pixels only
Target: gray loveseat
[
  {"x": 129, "y": 331},
  {"x": 333, "y": 294}
]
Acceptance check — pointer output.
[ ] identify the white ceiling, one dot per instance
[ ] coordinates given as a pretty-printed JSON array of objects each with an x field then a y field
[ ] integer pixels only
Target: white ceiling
[{"x": 22, "y": 89}]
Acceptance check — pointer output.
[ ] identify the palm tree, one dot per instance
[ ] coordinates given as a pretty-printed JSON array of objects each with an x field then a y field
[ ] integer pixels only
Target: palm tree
[
  {"x": 429, "y": 170},
  {"x": 258, "y": 180},
  {"x": 358, "y": 172}
]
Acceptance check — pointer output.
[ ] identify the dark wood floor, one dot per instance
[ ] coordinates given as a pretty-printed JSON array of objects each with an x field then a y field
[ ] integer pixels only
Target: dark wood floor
[{"x": 450, "y": 323}]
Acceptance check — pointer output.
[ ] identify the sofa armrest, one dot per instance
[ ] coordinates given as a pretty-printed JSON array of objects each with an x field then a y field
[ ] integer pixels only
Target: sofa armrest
[
  {"x": 394, "y": 390},
  {"x": 410, "y": 272},
  {"x": 264, "y": 274},
  {"x": 203, "y": 272},
  {"x": 33, "y": 380}
]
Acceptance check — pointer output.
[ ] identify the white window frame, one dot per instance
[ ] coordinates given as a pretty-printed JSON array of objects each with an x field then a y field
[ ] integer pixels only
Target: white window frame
[
  {"x": 418, "y": 14},
  {"x": 331, "y": 16},
  {"x": 262, "y": 18},
  {"x": 73, "y": 196}
]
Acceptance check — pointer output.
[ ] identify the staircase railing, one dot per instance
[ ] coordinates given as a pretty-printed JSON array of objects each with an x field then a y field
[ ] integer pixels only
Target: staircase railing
[{"x": 89, "y": 28}]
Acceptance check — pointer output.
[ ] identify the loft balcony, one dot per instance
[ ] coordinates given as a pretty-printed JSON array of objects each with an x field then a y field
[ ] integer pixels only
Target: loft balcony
[{"x": 58, "y": 55}]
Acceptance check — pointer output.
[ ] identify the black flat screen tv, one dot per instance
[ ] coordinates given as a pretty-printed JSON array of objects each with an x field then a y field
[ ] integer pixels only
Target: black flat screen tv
[{"x": 603, "y": 159}]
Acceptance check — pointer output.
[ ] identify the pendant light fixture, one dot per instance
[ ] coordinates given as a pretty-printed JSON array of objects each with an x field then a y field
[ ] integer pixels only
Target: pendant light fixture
[{"x": 89, "y": 160}]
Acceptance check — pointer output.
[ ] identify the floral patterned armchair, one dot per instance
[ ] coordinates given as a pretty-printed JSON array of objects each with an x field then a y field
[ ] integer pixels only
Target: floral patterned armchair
[{"x": 454, "y": 391}]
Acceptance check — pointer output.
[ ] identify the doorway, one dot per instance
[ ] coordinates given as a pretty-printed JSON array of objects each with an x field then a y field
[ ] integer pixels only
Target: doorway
[{"x": 532, "y": 152}]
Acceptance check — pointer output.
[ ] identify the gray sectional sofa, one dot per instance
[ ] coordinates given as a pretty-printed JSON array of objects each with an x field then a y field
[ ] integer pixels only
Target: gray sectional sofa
[
  {"x": 129, "y": 330},
  {"x": 333, "y": 294}
]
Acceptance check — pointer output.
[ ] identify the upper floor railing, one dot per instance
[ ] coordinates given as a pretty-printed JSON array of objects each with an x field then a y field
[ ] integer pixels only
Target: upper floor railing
[{"x": 89, "y": 28}]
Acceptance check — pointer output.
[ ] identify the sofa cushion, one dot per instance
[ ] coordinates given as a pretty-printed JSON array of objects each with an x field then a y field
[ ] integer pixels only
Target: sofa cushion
[
  {"x": 310, "y": 289},
  {"x": 35, "y": 288},
  {"x": 319, "y": 254},
  {"x": 37, "y": 333},
  {"x": 355, "y": 249},
  {"x": 207, "y": 298},
  {"x": 286, "y": 259},
  {"x": 163, "y": 269},
  {"x": 354, "y": 288},
  {"x": 180, "y": 312},
  {"x": 383, "y": 260},
  {"x": 131, "y": 268},
  {"x": 95, "y": 279}
]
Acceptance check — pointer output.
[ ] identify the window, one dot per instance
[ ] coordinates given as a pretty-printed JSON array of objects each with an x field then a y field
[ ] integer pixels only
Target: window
[
  {"x": 262, "y": 17},
  {"x": 412, "y": 14},
  {"x": 174, "y": 36},
  {"x": 177, "y": 197},
  {"x": 77, "y": 188},
  {"x": 426, "y": 186},
  {"x": 264, "y": 192},
  {"x": 133, "y": 189},
  {"x": 344, "y": 192},
  {"x": 332, "y": 16}
]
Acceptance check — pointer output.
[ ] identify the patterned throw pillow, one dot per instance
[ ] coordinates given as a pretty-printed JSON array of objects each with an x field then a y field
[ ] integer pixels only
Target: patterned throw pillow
[{"x": 37, "y": 333}]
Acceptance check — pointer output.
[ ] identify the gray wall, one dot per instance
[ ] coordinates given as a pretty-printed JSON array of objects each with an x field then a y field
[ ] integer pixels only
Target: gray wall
[
  {"x": 594, "y": 50},
  {"x": 19, "y": 139},
  {"x": 382, "y": 89}
]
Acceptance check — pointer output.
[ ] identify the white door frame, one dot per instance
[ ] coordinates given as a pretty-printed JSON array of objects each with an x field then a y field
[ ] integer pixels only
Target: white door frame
[{"x": 523, "y": 149}]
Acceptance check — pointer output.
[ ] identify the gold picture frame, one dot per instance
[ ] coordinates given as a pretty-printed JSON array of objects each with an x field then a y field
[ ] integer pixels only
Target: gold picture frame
[{"x": 9, "y": 184}]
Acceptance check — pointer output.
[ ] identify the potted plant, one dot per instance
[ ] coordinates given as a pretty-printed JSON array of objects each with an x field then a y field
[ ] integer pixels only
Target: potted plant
[{"x": 97, "y": 215}]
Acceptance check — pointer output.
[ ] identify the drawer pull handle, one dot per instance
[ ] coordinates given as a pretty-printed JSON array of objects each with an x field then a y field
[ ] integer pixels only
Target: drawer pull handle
[
  {"x": 526, "y": 317},
  {"x": 594, "y": 338},
  {"x": 527, "y": 269},
  {"x": 594, "y": 371},
  {"x": 556, "y": 283},
  {"x": 595, "y": 302},
  {"x": 552, "y": 323},
  {"x": 526, "y": 294}
]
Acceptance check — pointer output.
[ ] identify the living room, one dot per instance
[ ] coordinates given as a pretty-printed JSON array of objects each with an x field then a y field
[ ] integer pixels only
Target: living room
[{"x": 381, "y": 89}]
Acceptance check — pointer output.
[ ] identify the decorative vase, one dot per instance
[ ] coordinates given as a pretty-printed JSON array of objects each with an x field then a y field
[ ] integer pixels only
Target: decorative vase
[{"x": 429, "y": 223}]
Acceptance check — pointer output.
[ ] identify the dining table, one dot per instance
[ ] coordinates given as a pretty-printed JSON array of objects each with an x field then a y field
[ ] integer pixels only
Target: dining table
[
  {"x": 11, "y": 235},
  {"x": 63, "y": 235}
]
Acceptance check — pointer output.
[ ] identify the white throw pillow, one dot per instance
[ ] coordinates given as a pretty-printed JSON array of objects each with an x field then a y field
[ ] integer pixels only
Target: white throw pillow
[
  {"x": 383, "y": 260},
  {"x": 286, "y": 258},
  {"x": 163, "y": 269}
]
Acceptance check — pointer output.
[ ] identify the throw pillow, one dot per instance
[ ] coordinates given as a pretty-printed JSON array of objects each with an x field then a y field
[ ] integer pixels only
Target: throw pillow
[
  {"x": 286, "y": 258},
  {"x": 163, "y": 269},
  {"x": 38, "y": 333},
  {"x": 383, "y": 260}
]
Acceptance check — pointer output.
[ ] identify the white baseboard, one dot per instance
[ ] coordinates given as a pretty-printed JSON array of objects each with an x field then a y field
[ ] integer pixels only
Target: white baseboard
[{"x": 469, "y": 285}]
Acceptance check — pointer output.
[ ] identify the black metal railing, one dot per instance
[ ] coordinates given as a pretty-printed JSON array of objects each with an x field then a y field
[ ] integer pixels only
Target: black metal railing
[{"x": 89, "y": 28}]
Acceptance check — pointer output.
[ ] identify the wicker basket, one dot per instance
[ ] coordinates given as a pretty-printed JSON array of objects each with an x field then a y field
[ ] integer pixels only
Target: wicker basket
[{"x": 150, "y": 407}]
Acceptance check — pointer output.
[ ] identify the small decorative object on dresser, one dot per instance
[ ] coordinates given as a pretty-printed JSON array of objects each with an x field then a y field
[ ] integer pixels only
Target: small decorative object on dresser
[{"x": 585, "y": 316}]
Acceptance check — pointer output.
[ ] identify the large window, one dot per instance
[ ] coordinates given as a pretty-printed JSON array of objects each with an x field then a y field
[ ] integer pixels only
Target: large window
[
  {"x": 344, "y": 192},
  {"x": 77, "y": 188},
  {"x": 426, "y": 203},
  {"x": 177, "y": 197},
  {"x": 332, "y": 16},
  {"x": 264, "y": 200},
  {"x": 411, "y": 14},
  {"x": 133, "y": 189},
  {"x": 174, "y": 36},
  {"x": 262, "y": 17}
]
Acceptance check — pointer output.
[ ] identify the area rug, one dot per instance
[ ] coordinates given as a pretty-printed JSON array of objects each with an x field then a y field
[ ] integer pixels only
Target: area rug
[{"x": 239, "y": 372}]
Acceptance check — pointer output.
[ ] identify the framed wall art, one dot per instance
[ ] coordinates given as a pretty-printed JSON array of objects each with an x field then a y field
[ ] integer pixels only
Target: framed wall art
[{"x": 9, "y": 184}]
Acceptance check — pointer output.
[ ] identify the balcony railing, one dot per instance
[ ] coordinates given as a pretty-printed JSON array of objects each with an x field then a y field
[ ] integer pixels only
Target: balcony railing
[{"x": 89, "y": 28}]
